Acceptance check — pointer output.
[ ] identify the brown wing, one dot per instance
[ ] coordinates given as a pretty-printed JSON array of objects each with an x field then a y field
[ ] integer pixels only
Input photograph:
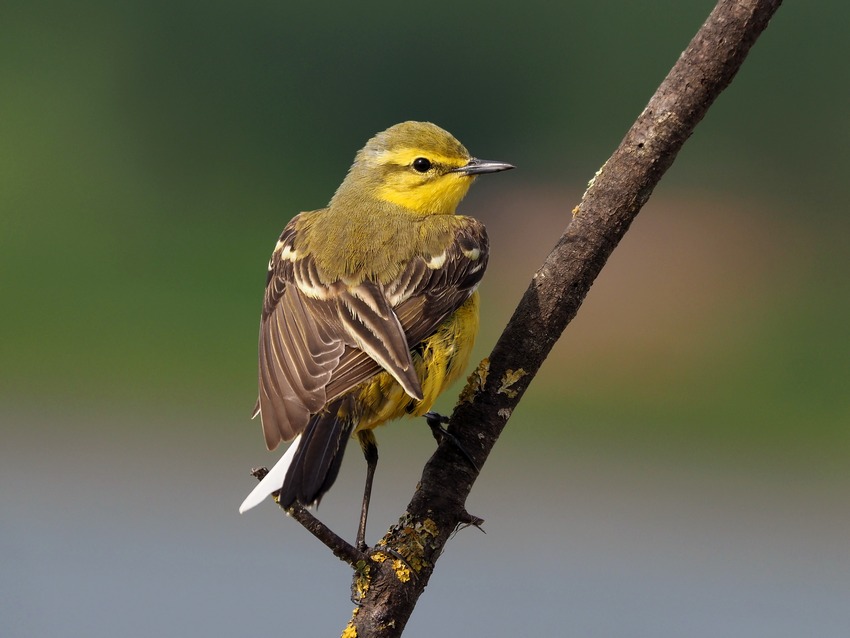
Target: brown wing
[
  {"x": 308, "y": 324},
  {"x": 428, "y": 290}
]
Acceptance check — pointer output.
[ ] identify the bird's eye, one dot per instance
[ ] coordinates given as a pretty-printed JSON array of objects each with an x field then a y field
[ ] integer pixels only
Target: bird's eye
[{"x": 422, "y": 164}]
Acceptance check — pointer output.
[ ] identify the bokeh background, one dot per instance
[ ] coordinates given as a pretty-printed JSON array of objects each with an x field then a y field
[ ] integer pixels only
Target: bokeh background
[{"x": 680, "y": 464}]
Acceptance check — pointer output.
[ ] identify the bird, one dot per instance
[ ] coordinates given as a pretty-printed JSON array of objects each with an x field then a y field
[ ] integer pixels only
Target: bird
[{"x": 370, "y": 308}]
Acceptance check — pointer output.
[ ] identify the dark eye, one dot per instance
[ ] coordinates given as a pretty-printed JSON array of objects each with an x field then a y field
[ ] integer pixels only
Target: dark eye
[{"x": 421, "y": 164}]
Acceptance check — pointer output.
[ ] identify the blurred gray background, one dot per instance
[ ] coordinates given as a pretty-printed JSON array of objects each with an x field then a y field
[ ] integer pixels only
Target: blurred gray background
[{"x": 678, "y": 468}]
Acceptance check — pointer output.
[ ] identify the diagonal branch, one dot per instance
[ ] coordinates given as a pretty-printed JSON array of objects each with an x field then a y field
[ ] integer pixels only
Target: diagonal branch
[{"x": 610, "y": 204}]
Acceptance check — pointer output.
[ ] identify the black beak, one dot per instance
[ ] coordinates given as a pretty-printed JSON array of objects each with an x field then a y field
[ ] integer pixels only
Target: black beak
[{"x": 477, "y": 167}]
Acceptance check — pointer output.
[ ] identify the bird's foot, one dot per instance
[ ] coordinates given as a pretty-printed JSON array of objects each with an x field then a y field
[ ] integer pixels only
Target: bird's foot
[{"x": 437, "y": 423}]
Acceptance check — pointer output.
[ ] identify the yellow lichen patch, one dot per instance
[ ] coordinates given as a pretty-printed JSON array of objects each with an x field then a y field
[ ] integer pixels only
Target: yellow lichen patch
[
  {"x": 410, "y": 542},
  {"x": 576, "y": 209},
  {"x": 430, "y": 527},
  {"x": 401, "y": 570},
  {"x": 416, "y": 563},
  {"x": 362, "y": 580},
  {"x": 595, "y": 175},
  {"x": 410, "y": 547},
  {"x": 475, "y": 382},
  {"x": 510, "y": 378},
  {"x": 350, "y": 631}
]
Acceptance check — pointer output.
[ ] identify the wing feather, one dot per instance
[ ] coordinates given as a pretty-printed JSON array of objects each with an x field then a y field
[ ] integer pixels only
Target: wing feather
[
  {"x": 368, "y": 317},
  {"x": 423, "y": 297},
  {"x": 320, "y": 337}
]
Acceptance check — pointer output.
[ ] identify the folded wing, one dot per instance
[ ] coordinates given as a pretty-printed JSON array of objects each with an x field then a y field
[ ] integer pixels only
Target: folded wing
[{"x": 319, "y": 338}]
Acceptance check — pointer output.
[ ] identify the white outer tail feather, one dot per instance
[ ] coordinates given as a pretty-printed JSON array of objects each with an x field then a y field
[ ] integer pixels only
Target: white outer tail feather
[{"x": 272, "y": 481}]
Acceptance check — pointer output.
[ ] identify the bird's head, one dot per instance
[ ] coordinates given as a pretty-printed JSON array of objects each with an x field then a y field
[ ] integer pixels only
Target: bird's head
[{"x": 415, "y": 165}]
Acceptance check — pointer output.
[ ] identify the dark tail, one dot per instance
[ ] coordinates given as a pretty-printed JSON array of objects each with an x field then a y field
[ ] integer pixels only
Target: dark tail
[{"x": 319, "y": 456}]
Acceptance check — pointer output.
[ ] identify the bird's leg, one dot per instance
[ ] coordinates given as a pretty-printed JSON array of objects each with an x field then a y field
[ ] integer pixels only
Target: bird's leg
[
  {"x": 435, "y": 422},
  {"x": 370, "y": 451}
]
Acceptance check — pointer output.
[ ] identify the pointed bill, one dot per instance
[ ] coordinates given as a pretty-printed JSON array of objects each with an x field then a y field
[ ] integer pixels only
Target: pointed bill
[{"x": 478, "y": 166}]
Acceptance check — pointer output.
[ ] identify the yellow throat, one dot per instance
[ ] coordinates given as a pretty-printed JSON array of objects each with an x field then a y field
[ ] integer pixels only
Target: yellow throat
[{"x": 414, "y": 165}]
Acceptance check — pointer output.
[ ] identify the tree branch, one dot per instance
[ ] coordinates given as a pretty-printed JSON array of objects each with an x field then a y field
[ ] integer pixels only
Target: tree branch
[
  {"x": 391, "y": 587},
  {"x": 343, "y": 550}
]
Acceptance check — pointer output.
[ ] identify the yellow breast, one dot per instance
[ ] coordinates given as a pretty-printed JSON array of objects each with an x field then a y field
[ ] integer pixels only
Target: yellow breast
[{"x": 439, "y": 362}]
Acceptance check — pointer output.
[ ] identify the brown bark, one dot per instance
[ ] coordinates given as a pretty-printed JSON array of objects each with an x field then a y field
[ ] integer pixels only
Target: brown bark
[{"x": 391, "y": 582}]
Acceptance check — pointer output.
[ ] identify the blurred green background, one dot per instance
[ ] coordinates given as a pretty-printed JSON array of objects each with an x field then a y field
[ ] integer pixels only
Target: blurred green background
[{"x": 151, "y": 154}]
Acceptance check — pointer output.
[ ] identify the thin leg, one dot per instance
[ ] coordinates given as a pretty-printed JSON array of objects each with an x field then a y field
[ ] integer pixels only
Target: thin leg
[{"x": 370, "y": 451}]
